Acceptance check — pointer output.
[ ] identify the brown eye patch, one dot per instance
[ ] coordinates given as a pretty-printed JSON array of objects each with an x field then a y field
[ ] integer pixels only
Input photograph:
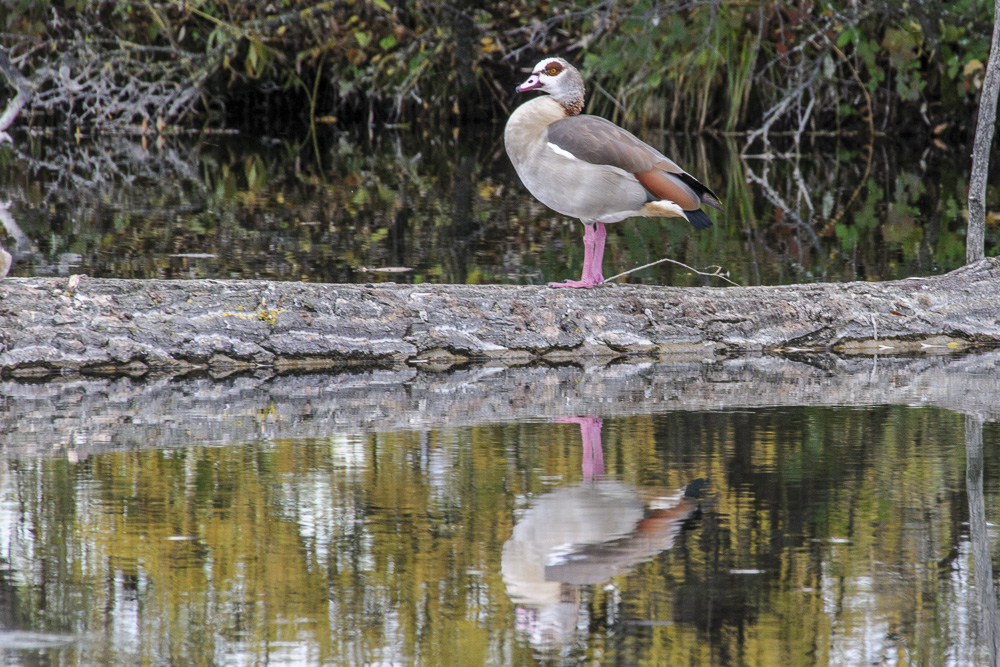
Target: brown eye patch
[{"x": 553, "y": 69}]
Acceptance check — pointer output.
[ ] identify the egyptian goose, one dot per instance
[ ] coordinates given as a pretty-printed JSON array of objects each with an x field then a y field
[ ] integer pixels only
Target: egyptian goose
[{"x": 587, "y": 167}]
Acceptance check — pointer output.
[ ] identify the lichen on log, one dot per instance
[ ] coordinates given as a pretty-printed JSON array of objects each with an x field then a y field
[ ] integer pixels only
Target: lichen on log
[{"x": 83, "y": 324}]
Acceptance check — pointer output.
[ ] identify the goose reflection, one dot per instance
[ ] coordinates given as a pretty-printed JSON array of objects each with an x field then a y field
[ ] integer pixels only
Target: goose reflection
[{"x": 584, "y": 535}]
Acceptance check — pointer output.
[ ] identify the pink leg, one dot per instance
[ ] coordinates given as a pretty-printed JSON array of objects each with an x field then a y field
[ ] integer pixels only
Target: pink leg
[
  {"x": 600, "y": 234},
  {"x": 593, "y": 256},
  {"x": 593, "y": 448}
]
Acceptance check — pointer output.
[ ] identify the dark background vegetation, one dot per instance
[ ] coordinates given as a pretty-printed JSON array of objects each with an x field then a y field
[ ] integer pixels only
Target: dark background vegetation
[{"x": 800, "y": 66}]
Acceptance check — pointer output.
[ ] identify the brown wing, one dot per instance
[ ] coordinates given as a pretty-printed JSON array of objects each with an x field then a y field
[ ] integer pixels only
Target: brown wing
[
  {"x": 599, "y": 141},
  {"x": 663, "y": 184}
]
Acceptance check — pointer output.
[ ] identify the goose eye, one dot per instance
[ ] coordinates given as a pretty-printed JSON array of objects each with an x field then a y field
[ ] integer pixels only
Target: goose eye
[{"x": 552, "y": 70}]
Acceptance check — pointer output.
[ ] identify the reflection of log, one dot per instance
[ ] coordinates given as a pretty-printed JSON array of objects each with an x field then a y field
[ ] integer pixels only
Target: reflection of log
[
  {"x": 120, "y": 413},
  {"x": 81, "y": 324}
]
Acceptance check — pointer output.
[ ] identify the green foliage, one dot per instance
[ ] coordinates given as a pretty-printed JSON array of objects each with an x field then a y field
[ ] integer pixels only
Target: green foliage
[{"x": 711, "y": 66}]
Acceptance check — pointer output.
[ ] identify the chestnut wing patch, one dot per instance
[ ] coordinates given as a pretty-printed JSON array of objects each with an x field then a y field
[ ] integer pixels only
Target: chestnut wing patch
[{"x": 664, "y": 185}]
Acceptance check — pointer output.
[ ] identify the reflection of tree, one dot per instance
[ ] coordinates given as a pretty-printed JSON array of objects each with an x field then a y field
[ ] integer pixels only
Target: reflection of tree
[
  {"x": 61, "y": 194},
  {"x": 375, "y": 543},
  {"x": 22, "y": 244},
  {"x": 126, "y": 207},
  {"x": 875, "y": 206},
  {"x": 791, "y": 215},
  {"x": 463, "y": 224},
  {"x": 982, "y": 554},
  {"x": 68, "y": 198}
]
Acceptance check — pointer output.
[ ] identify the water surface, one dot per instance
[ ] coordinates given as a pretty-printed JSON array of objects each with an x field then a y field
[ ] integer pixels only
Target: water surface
[
  {"x": 796, "y": 511},
  {"x": 449, "y": 209},
  {"x": 269, "y": 526}
]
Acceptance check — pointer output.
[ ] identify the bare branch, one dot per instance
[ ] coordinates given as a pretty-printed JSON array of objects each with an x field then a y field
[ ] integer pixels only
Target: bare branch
[
  {"x": 715, "y": 274},
  {"x": 100, "y": 80},
  {"x": 25, "y": 91}
]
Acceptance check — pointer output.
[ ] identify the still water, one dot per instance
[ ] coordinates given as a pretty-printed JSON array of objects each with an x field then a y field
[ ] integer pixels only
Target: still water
[
  {"x": 806, "y": 511},
  {"x": 448, "y": 208},
  {"x": 746, "y": 512}
]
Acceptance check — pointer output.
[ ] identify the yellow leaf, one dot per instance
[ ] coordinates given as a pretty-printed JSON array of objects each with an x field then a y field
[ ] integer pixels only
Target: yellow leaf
[{"x": 972, "y": 66}]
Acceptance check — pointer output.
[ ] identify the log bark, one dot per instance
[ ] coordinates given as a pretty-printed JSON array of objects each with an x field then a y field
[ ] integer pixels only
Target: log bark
[{"x": 103, "y": 325}]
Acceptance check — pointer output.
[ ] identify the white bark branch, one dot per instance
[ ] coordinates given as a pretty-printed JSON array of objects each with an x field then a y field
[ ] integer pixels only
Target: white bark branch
[{"x": 976, "y": 238}]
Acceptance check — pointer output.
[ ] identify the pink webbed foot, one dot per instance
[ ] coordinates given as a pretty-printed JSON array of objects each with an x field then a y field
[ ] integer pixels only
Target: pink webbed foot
[
  {"x": 577, "y": 283},
  {"x": 593, "y": 256}
]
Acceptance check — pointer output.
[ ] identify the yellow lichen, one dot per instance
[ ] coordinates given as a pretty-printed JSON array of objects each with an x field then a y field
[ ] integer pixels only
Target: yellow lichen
[{"x": 269, "y": 316}]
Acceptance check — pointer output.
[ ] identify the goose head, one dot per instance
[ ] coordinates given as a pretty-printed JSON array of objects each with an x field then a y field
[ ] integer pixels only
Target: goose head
[{"x": 559, "y": 79}]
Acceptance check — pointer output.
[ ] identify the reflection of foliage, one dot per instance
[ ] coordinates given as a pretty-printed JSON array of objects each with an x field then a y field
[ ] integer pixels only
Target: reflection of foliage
[
  {"x": 834, "y": 221},
  {"x": 818, "y": 525},
  {"x": 453, "y": 212}
]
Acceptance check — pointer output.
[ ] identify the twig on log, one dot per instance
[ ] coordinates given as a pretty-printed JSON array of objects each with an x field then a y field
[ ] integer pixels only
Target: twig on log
[{"x": 715, "y": 274}]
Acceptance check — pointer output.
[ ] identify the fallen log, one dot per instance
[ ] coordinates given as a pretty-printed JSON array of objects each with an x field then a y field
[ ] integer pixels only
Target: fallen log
[{"x": 83, "y": 324}]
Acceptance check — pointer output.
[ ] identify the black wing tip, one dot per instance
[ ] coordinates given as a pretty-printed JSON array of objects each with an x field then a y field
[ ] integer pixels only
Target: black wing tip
[
  {"x": 698, "y": 219},
  {"x": 708, "y": 197}
]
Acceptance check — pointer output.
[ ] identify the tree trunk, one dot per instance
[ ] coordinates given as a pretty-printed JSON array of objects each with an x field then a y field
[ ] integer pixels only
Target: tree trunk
[{"x": 976, "y": 237}]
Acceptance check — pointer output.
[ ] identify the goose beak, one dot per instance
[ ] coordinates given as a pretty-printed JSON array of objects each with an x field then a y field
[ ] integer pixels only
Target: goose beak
[{"x": 533, "y": 82}]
